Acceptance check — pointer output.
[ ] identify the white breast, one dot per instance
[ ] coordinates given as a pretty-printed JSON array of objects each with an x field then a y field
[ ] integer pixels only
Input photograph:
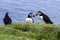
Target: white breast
[
  {"x": 29, "y": 20},
  {"x": 41, "y": 17}
]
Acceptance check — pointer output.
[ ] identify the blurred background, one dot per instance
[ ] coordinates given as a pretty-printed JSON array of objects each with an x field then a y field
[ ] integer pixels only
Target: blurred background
[{"x": 19, "y": 9}]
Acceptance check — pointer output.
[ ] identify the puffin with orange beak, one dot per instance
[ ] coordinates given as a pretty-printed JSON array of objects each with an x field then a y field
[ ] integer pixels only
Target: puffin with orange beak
[
  {"x": 44, "y": 17},
  {"x": 29, "y": 18}
]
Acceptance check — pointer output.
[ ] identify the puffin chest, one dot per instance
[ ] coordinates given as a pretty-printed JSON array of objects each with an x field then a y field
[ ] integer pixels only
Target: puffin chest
[
  {"x": 41, "y": 17},
  {"x": 29, "y": 20}
]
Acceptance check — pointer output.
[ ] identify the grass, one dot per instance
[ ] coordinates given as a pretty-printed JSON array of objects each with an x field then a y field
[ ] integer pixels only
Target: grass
[{"x": 36, "y": 31}]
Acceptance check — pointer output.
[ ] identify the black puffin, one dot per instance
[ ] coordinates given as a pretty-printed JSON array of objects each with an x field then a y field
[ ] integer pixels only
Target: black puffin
[
  {"x": 29, "y": 18},
  {"x": 45, "y": 18},
  {"x": 7, "y": 20}
]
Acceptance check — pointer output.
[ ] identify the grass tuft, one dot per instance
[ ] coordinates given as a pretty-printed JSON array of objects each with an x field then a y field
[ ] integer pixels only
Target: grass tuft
[{"x": 36, "y": 31}]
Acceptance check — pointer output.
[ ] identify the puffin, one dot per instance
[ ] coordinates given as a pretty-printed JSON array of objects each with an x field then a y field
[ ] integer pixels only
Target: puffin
[
  {"x": 44, "y": 17},
  {"x": 29, "y": 18},
  {"x": 7, "y": 20}
]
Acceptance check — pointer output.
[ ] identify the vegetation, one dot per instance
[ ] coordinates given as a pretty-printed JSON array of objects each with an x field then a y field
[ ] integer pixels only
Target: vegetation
[{"x": 36, "y": 31}]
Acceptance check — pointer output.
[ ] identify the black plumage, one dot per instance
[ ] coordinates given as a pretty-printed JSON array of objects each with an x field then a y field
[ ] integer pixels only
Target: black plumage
[
  {"x": 7, "y": 19},
  {"x": 45, "y": 18}
]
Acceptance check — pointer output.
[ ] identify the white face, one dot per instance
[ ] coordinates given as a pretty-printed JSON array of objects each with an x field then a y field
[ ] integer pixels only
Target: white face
[{"x": 39, "y": 13}]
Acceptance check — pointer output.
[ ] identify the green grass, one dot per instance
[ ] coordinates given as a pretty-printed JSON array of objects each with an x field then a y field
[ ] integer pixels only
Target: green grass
[{"x": 23, "y": 31}]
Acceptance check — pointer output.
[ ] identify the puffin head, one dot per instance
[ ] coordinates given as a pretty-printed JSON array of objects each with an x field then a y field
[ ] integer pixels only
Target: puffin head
[
  {"x": 30, "y": 15},
  {"x": 6, "y": 14},
  {"x": 39, "y": 13}
]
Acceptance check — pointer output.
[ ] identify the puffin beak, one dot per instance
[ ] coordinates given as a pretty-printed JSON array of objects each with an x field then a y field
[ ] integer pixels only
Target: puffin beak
[
  {"x": 34, "y": 15},
  {"x": 37, "y": 14}
]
